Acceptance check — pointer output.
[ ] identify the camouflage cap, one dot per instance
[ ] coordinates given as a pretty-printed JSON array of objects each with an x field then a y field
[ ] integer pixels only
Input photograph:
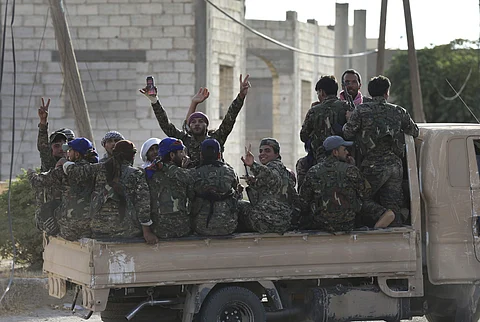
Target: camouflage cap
[{"x": 272, "y": 143}]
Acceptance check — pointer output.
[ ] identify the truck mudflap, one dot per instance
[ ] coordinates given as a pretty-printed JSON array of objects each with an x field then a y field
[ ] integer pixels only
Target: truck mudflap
[{"x": 364, "y": 303}]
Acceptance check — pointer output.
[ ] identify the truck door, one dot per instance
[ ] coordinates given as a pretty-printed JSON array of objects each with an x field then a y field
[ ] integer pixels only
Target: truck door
[{"x": 473, "y": 147}]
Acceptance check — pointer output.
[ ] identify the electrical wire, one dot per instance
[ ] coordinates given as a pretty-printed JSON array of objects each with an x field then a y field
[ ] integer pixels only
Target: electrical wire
[
  {"x": 9, "y": 212},
  {"x": 461, "y": 99},
  {"x": 283, "y": 45},
  {"x": 457, "y": 95}
]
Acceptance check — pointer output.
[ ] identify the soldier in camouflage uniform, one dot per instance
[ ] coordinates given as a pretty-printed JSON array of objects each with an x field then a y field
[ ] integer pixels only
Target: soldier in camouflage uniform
[
  {"x": 378, "y": 128},
  {"x": 108, "y": 142},
  {"x": 214, "y": 207},
  {"x": 271, "y": 191},
  {"x": 336, "y": 191},
  {"x": 326, "y": 118},
  {"x": 170, "y": 191},
  {"x": 76, "y": 179},
  {"x": 198, "y": 122},
  {"x": 48, "y": 196},
  {"x": 120, "y": 204},
  {"x": 304, "y": 164}
]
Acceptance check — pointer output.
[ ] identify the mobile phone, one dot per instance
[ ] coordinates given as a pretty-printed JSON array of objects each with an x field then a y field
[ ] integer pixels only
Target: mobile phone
[{"x": 151, "y": 86}]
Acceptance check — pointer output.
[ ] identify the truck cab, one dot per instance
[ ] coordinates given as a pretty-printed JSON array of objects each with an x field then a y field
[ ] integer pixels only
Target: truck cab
[{"x": 429, "y": 267}]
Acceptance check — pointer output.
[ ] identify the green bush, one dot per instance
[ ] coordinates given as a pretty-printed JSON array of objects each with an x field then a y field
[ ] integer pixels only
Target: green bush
[{"x": 28, "y": 239}]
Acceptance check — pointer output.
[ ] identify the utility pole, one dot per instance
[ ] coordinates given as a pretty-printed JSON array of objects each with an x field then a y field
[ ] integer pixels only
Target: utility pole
[
  {"x": 70, "y": 69},
  {"x": 418, "y": 114},
  {"x": 381, "y": 39}
]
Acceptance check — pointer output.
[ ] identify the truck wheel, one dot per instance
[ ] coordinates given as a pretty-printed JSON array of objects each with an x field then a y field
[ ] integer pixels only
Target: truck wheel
[{"x": 232, "y": 303}]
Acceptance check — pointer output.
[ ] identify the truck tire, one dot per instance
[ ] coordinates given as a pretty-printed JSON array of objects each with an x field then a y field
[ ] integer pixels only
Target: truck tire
[{"x": 238, "y": 303}]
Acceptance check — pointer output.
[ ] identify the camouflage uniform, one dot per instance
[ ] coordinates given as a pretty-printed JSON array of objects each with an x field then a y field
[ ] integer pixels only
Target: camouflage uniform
[
  {"x": 322, "y": 121},
  {"x": 271, "y": 205},
  {"x": 169, "y": 194},
  {"x": 193, "y": 147},
  {"x": 107, "y": 220},
  {"x": 335, "y": 191},
  {"x": 378, "y": 128},
  {"x": 214, "y": 208},
  {"x": 303, "y": 165}
]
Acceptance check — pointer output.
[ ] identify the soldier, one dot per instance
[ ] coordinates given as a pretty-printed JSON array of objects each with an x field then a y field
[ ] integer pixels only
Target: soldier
[
  {"x": 48, "y": 197},
  {"x": 378, "y": 127},
  {"x": 352, "y": 81},
  {"x": 326, "y": 118},
  {"x": 271, "y": 191},
  {"x": 149, "y": 151},
  {"x": 304, "y": 164},
  {"x": 120, "y": 205},
  {"x": 170, "y": 191},
  {"x": 76, "y": 181},
  {"x": 198, "y": 122},
  {"x": 214, "y": 208},
  {"x": 109, "y": 141},
  {"x": 335, "y": 191}
]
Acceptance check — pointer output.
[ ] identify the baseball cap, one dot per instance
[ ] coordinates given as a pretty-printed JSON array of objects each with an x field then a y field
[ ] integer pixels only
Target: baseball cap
[
  {"x": 81, "y": 145},
  {"x": 168, "y": 145},
  {"x": 334, "y": 142},
  {"x": 65, "y": 134},
  {"x": 211, "y": 143}
]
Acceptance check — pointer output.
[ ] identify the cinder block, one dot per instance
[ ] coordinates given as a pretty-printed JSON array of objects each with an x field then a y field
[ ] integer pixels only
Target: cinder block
[
  {"x": 163, "y": 20},
  {"x": 174, "y": 31},
  {"x": 184, "y": 66},
  {"x": 153, "y": 32},
  {"x": 183, "y": 43},
  {"x": 78, "y": 21},
  {"x": 23, "y": 9},
  {"x": 97, "y": 21},
  {"x": 162, "y": 43},
  {"x": 108, "y": 9},
  {"x": 173, "y": 8},
  {"x": 89, "y": 9},
  {"x": 34, "y": 21},
  {"x": 141, "y": 20},
  {"x": 109, "y": 32},
  {"x": 140, "y": 135},
  {"x": 39, "y": 9},
  {"x": 52, "y": 79},
  {"x": 23, "y": 32},
  {"x": 178, "y": 54},
  {"x": 116, "y": 85},
  {"x": 141, "y": 43},
  {"x": 179, "y": 90},
  {"x": 130, "y": 32},
  {"x": 151, "y": 124},
  {"x": 118, "y": 44},
  {"x": 107, "y": 74},
  {"x": 167, "y": 78},
  {"x": 88, "y": 32},
  {"x": 120, "y": 20},
  {"x": 129, "y": 8},
  {"x": 183, "y": 20},
  {"x": 97, "y": 44},
  {"x": 151, "y": 8}
]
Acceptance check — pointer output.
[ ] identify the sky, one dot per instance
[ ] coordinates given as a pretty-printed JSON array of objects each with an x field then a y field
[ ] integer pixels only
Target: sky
[{"x": 433, "y": 23}]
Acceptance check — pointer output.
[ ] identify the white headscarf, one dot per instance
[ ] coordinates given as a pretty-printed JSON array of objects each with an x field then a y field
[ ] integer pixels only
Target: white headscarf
[{"x": 145, "y": 147}]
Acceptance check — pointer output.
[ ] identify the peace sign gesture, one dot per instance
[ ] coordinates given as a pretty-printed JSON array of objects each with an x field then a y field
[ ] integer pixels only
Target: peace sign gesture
[
  {"x": 248, "y": 159},
  {"x": 244, "y": 86},
  {"x": 43, "y": 111}
]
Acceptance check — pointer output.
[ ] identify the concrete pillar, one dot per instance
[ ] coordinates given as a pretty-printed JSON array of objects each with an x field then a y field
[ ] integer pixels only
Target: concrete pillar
[
  {"x": 360, "y": 44},
  {"x": 341, "y": 38}
]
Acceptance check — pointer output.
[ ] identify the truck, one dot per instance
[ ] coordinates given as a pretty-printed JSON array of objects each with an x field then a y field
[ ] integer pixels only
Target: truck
[{"x": 429, "y": 267}]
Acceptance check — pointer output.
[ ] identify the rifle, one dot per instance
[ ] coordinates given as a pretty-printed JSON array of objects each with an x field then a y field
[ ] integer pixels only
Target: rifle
[{"x": 348, "y": 97}]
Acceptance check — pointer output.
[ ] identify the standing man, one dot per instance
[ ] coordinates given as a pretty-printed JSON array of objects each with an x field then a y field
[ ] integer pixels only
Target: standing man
[
  {"x": 271, "y": 191},
  {"x": 352, "y": 82},
  {"x": 198, "y": 122},
  {"x": 214, "y": 208},
  {"x": 170, "y": 191},
  {"x": 335, "y": 191},
  {"x": 108, "y": 142},
  {"x": 379, "y": 127},
  {"x": 326, "y": 118}
]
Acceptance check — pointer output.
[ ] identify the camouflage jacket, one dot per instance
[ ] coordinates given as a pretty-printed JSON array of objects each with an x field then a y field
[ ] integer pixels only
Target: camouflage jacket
[
  {"x": 273, "y": 181},
  {"x": 47, "y": 160},
  {"x": 106, "y": 219},
  {"x": 193, "y": 146},
  {"x": 303, "y": 165},
  {"x": 170, "y": 195},
  {"x": 334, "y": 191},
  {"x": 378, "y": 127},
  {"x": 322, "y": 121}
]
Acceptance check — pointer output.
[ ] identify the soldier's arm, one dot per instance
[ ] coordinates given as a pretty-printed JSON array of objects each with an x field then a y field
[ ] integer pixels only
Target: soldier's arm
[
  {"x": 408, "y": 125},
  {"x": 266, "y": 176},
  {"x": 178, "y": 174},
  {"x": 142, "y": 198},
  {"x": 228, "y": 121},
  {"x": 307, "y": 126},
  {"x": 77, "y": 173},
  {"x": 167, "y": 127},
  {"x": 43, "y": 146},
  {"x": 45, "y": 179},
  {"x": 353, "y": 125}
]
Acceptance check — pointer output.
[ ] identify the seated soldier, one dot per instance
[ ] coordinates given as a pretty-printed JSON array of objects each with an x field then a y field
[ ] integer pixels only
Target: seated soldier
[
  {"x": 271, "y": 191},
  {"x": 75, "y": 178},
  {"x": 169, "y": 191},
  {"x": 335, "y": 191},
  {"x": 108, "y": 142},
  {"x": 214, "y": 208},
  {"x": 149, "y": 151},
  {"x": 120, "y": 205}
]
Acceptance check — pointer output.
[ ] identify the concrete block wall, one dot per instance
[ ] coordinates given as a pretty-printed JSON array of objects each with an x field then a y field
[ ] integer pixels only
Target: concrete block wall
[
  {"x": 162, "y": 31},
  {"x": 226, "y": 47}
]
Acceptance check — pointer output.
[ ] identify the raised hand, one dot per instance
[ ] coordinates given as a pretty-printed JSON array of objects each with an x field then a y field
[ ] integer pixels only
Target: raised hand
[
  {"x": 43, "y": 111},
  {"x": 201, "y": 95},
  {"x": 152, "y": 97},
  {"x": 248, "y": 159},
  {"x": 244, "y": 86}
]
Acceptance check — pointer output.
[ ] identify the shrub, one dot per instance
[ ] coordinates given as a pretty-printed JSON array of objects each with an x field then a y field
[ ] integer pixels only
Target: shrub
[{"x": 28, "y": 239}]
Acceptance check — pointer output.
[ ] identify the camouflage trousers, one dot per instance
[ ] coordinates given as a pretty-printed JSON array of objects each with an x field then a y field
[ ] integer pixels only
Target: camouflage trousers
[
  {"x": 331, "y": 222},
  {"x": 267, "y": 216},
  {"x": 73, "y": 218},
  {"x": 385, "y": 175},
  {"x": 107, "y": 222},
  {"x": 172, "y": 225},
  {"x": 222, "y": 219}
]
